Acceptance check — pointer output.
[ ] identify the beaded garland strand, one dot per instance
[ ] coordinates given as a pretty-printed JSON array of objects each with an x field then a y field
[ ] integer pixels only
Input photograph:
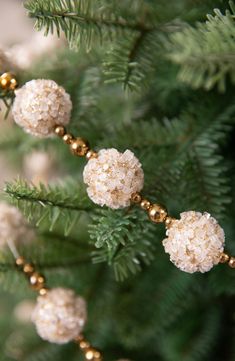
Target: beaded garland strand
[
  {"x": 59, "y": 315},
  {"x": 195, "y": 242}
]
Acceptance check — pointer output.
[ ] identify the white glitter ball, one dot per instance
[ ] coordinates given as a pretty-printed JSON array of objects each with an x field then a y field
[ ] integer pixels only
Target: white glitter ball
[
  {"x": 112, "y": 177},
  {"x": 13, "y": 226},
  {"x": 60, "y": 315},
  {"x": 195, "y": 242},
  {"x": 40, "y": 105}
]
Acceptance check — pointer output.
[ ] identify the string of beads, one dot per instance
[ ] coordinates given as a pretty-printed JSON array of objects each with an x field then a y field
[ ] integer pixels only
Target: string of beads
[
  {"x": 48, "y": 309},
  {"x": 195, "y": 242}
]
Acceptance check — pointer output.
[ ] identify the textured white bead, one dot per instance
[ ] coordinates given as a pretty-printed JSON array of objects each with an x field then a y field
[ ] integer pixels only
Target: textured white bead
[
  {"x": 112, "y": 177},
  {"x": 13, "y": 226},
  {"x": 60, "y": 315},
  {"x": 195, "y": 242},
  {"x": 40, "y": 105},
  {"x": 23, "y": 311}
]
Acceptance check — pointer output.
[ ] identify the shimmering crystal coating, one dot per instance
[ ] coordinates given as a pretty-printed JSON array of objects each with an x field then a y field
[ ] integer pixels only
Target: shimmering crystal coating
[
  {"x": 13, "y": 226},
  {"x": 60, "y": 315},
  {"x": 195, "y": 242},
  {"x": 40, "y": 105},
  {"x": 112, "y": 177}
]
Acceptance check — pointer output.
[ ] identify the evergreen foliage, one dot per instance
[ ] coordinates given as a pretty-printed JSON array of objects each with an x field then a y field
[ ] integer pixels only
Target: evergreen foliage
[
  {"x": 206, "y": 53},
  {"x": 140, "y": 306}
]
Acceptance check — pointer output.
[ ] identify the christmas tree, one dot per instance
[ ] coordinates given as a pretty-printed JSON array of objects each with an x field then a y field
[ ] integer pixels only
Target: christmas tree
[{"x": 157, "y": 78}]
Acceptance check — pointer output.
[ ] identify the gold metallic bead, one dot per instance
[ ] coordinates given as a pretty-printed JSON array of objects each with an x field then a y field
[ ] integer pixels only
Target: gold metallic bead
[
  {"x": 168, "y": 221},
  {"x": 37, "y": 281},
  {"x": 8, "y": 81},
  {"x": 43, "y": 291},
  {"x": 136, "y": 198},
  {"x": 224, "y": 258},
  {"x": 60, "y": 130},
  {"x": 145, "y": 204},
  {"x": 231, "y": 262},
  {"x": 79, "y": 147},
  {"x": 91, "y": 154},
  {"x": 28, "y": 268},
  {"x": 84, "y": 344},
  {"x": 68, "y": 138},
  {"x": 20, "y": 261},
  {"x": 157, "y": 213},
  {"x": 92, "y": 354}
]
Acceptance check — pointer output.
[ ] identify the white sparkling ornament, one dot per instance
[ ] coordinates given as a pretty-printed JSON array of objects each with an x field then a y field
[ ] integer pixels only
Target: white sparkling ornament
[
  {"x": 60, "y": 315},
  {"x": 40, "y": 105},
  {"x": 112, "y": 177},
  {"x": 195, "y": 242},
  {"x": 23, "y": 311},
  {"x": 13, "y": 226},
  {"x": 40, "y": 167}
]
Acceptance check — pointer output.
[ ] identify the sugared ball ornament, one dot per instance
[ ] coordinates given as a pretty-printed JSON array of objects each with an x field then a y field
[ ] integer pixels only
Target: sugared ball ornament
[
  {"x": 112, "y": 177},
  {"x": 59, "y": 315},
  {"x": 195, "y": 242},
  {"x": 13, "y": 226},
  {"x": 40, "y": 105}
]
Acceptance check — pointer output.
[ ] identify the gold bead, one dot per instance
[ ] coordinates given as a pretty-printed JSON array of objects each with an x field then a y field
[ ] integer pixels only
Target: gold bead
[
  {"x": 8, "y": 81},
  {"x": 157, "y": 213},
  {"x": 37, "y": 281},
  {"x": 79, "y": 147},
  {"x": 136, "y": 198},
  {"x": 145, "y": 204},
  {"x": 43, "y": 291},
  {"x": 231, "y": 262},
  {"x": 28, "y": 268},
  {"x": 60, "y": 131},
  {"x": 68, "y": 138},
  {"x": 91, "y": 154},
  {"x": 224, "y": 258},
  {"x": 168, "y": 221},
  {"x": 84, "y": 344},
  {"x": 20, "y": 261},
  {"x": 92, "y": 354}
]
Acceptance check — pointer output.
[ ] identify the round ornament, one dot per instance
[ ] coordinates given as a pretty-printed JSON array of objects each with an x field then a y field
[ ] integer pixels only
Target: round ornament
[
  {"x": 195, "y": 242},
  {"x": 59, "y": 315},
  {"x": 40, "y": 105},
  {"x": 13, "y": 226},
  {"x": 112, "y": 177}
]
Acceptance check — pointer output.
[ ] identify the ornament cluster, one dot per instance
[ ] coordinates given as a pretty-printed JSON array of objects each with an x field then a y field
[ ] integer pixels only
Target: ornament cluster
[
  {"x": 195, "y": 242},
  {"x": 59, "y": 315},
  {"x": 13, "y": 226},
  {"x": 40, "y": 105},
  {"x": 112, "y": 177}
]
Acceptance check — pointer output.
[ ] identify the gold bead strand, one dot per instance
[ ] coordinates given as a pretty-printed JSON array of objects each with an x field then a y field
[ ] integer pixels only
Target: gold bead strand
[
  {"x": 36, "y": 280},
  {"x": 157, "y": 213},
  {"x": 78, "y": 146},
  {"x": 8, "y": 82},
  {"x": 90, "y": 353},
  {"x": 226, "y": 258}
]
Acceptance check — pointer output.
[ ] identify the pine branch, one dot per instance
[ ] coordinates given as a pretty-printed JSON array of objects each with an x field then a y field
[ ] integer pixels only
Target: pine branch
[
  {"x": 50, "y": 203},
  {"x": 124, "y": 241},
  {"x": 133, "y": 58},
  {"x": 206, "y": 53},
  {"x": 81, "y": 21}
]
